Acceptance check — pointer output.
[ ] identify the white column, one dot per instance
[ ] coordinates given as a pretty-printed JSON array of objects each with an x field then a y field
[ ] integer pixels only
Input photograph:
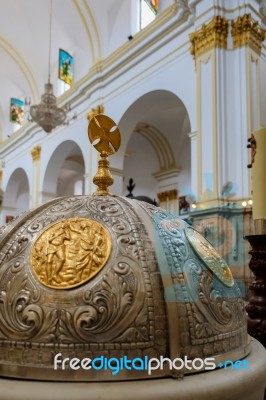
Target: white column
[
  {"x": 207, "y": 156},
  {"x": 209, "y": 43},
  {"x": 35, "y": 199},
  {"x": 244, "y": 93},
  {"x": 118, "y": 177},
  {"x": 194, "y": 161}
]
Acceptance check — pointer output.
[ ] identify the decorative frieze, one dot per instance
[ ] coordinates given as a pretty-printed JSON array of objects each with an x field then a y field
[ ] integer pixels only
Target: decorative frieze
[
  {"x": 36, "y": 153},
  {"x": 213, "y": 34},
  {"x": 95, "y": 111},
  {"x": 247, "y": 32}
]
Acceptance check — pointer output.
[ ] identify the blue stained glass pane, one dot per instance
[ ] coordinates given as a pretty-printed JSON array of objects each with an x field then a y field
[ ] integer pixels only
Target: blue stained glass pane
[{"x": 66, "y": 62}]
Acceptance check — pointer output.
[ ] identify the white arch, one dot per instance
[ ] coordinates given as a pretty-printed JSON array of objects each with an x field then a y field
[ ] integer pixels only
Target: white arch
[
  {"x": 138, "y": 111},
  {"x": 17, "y": 193},
  {"x": 55, "y": 164},
  {"x": 23, "y": 67},
  {"x": 159, "y": 143},
  {"x": 165, "y": 129},
  {"x": 89, "y": 24}
]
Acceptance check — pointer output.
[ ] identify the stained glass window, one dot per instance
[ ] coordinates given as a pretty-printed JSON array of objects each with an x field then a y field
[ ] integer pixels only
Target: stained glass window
[
  {"x": 65, "y": 67},
  {"x": 153, "y": 4},
  {"x": 148, "y": 11},
  {"x": 17, "y": 111}
]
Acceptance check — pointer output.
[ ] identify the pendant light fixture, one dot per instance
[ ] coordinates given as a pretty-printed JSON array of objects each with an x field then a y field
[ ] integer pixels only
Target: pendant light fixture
[{"x": 47, "y": 114}]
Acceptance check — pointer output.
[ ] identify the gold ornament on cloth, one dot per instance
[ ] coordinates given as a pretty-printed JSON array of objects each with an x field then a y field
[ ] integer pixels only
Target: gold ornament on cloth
[
  {"x": 210, "y": 256},
  {"x": 105, "y": 136},
  {"x": 70, "y": 252}
]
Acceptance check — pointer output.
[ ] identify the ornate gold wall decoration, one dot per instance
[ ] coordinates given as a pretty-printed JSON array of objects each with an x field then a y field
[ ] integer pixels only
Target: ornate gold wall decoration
[
  {"x": 1, "y": 175},
  {"x": 105, "y": 136},
  {"x": 247, "y": 32},
  {"x": 36, "y": 153},
  {"x": 70, "y": 252},
  {"x": 95, "y": 111},
  {"x": 210, "y": 256},
  {"x": 213, "y": 34},
  {"x": 167, "y": 195}
]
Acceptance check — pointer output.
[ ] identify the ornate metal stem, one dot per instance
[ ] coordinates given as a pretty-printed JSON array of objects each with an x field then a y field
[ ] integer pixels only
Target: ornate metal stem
[{"x": 103, "y": 179}]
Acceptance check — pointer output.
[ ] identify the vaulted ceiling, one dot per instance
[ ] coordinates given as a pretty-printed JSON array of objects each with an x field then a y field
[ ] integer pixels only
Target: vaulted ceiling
[{"x": 84, "y": 28}]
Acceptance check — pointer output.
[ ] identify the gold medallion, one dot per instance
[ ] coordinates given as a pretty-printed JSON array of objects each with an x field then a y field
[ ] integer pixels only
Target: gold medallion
[
  {"x": 210, "y": 256},
  {"x": 70, "y": 252}
]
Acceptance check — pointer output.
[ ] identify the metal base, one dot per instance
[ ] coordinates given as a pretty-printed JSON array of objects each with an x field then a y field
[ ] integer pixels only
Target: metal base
[{"x": 220, "y": 384}]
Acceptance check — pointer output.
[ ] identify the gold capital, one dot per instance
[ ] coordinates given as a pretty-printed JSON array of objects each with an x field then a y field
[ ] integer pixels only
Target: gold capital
[
  {"x": 36, "y": 153},
  {"x": 167, "y": 195},
  {"x": 1, "y": 175},
  {"x": 214, "y": 34},
  {"x": 95, "y": 111},
  {"x": 247, "y": 32}
]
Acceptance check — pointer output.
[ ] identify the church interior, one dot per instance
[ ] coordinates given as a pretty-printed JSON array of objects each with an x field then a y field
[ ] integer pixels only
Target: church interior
[{"x": 178, "y": 85}]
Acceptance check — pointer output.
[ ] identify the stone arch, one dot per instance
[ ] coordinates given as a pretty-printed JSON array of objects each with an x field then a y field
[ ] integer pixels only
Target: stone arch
[
  {"x": 158, "y": 121},
  {"x": 17, "y": 194},
  {"x": 159, "y": 143},
  {"x": 65, "y": 168}
]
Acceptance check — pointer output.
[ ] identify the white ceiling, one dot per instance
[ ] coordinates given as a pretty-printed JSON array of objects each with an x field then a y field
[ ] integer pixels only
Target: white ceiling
[{"x": 78, "y": 26}]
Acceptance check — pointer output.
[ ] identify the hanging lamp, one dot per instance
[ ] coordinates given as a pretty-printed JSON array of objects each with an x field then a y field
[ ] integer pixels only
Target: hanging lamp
[{"x": 47, "y": 114}]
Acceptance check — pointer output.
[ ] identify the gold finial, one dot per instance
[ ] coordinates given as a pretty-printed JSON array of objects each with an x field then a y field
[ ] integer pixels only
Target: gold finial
[
  {"x": 95, "y": 111},
  {"x": 105, "y": 136}
]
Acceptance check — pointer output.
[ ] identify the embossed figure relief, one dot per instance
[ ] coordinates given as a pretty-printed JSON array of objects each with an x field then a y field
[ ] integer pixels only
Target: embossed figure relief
[{"x": 70, "y": 252}]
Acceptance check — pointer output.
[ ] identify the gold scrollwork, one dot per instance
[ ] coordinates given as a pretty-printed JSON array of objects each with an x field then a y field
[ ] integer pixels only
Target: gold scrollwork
[
  {"x": 36, "y": 153},
  {"x": 70, "y": 252},
  {"x": 210, "y": 256},
  {"x": 168, "y": 195},
  {"x": 213, "y": 34},
  {"x": 247, "y": 32}
]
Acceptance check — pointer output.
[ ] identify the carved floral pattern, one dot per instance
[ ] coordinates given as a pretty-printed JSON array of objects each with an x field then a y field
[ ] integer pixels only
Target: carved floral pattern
[
  {"x": 209, "y": 312},
  {"x": 116, "y": 306}
]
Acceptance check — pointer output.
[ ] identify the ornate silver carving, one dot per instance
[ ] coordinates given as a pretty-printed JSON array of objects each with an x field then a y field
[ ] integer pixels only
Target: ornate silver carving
[
  {"x": 152, "y": 279},
  {"x": 215, "y": 320},
  {"x": 110, "y": 314}
]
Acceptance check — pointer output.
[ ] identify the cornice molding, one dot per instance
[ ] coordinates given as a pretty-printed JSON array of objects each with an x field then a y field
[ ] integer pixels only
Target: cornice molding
[
  {"x": 116, "y": 171},
  {"x": 213, "y": 34},
  {"x": 247, "y": 32},
  {"x": 167, "y": 174},
  {"x": 193, "y": 135}
]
